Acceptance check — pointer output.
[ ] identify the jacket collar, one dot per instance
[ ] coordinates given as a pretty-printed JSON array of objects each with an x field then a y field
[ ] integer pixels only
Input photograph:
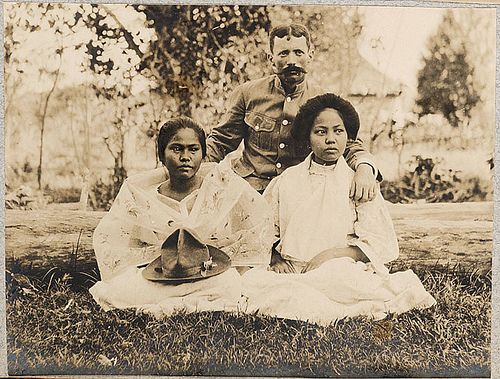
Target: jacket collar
[{"x": 300, "y": 87}]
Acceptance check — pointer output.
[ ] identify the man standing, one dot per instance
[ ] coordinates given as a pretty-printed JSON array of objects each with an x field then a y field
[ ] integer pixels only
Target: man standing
[{"x": 261, "y": 113}]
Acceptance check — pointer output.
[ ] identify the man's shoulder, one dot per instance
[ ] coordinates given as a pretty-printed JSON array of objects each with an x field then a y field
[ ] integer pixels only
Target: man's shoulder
[
  {"x": 256, "y": 85},
  {"x": 315, "y": 90}
]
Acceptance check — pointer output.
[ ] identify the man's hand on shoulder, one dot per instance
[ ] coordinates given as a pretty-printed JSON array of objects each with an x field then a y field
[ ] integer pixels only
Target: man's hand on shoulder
[{"x": 364, "y": 184}]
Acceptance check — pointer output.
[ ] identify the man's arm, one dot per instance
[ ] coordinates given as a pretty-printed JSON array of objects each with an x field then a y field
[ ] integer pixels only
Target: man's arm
[
  {"x": 356, "y": 154},
  {"x": 227, "y": 136},
  {"x": 360, "y": 160}
]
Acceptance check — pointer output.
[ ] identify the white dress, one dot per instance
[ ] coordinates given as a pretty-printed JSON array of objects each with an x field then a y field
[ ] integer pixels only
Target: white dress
[
  {"x": 225, "y": 212},
  {"x": 312, "y": 213}
]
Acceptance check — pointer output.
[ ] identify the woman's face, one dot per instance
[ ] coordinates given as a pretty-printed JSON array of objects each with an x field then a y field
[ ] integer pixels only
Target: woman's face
[
  {"x": 183, "y": 154},
  {"x": 328, "y": 137}
]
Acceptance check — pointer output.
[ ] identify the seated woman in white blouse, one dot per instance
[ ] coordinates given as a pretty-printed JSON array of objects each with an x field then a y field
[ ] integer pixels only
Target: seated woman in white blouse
[{"x": 330, "y": 252}]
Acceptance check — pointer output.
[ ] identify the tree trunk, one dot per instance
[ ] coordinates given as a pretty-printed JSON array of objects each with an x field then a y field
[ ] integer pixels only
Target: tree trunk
[
  {"x": 43, "y": 118},
  {"x": 184, "y": 96},
  {"x": 439, "y": 234}
]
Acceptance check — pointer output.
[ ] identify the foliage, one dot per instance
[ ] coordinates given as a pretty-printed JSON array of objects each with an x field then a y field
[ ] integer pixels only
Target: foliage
[
  {"x": 53, "y": 330},
  {"x": 446, "y": 82},
  {"x": 191, "y": 53},
  {"x": 27, "y": 55},
  {"x": 24, "y": 198},
  {"x": 182, "y": 52},
  {"x": 477, "y": 30},
  {"x": 63, "y": 195},
  {"x": 18, "y": 175},
  {"x": 201, "y": 51},
  {"x": 26, "y": 25},
  {"x": 114, "y": 63},
  {"x": 426, "y": 181},
  {"x": 128, "y": 68},
  {"x": 104, "y": 192}
]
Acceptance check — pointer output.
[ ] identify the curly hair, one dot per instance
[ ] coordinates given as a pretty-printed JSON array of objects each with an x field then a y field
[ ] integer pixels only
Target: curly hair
[
  {"x": 168, "y": 130},
  {"x": 301, "y": 128}
]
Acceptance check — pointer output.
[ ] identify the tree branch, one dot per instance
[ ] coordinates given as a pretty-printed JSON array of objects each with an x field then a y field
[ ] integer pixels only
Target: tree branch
[
  {"x": 126, "y": 34},
  {"x": 109, "y": 147},
  {"x": 43, "y": 117}
]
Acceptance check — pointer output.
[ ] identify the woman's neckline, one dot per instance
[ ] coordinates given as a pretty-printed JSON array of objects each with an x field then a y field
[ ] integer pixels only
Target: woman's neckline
[
  {"x": 316, "y": 167},
  {"x": 195, "y": 191}
]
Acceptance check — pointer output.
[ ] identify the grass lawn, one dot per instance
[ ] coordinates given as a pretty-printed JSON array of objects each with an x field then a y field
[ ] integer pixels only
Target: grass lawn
[{"x": 54, "y": 327}]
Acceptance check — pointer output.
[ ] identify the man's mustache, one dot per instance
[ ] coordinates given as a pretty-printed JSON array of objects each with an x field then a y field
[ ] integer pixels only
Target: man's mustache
[{"x": 293, "y": 69}]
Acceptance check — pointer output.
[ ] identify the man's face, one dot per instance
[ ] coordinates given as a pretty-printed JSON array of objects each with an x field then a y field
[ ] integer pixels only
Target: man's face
[{"x": 290, "y": 57}]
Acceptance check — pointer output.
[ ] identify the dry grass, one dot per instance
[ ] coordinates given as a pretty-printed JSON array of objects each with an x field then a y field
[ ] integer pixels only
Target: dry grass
[{"x": 55, "y": 329}]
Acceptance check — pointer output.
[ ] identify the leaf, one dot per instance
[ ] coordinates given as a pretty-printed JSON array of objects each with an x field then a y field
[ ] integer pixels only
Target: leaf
[
  {"x": 68, "y": 305},
  {"x": 105, "y": 361}
]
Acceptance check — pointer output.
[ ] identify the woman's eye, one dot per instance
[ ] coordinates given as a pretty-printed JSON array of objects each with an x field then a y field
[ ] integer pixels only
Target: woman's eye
[
  {"x": 299, "y": 53},
  {"x": 339, "y": 131},
  {"x": 194, "y": 149},
  {"x": 320, "y": 132},
  {"x": 176, "y": 148}
]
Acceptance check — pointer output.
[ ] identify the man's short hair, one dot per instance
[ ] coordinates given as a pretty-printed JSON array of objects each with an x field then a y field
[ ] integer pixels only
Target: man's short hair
[
  {"x": 308, "y": 112},
  {"x": 289, "y": 30}
]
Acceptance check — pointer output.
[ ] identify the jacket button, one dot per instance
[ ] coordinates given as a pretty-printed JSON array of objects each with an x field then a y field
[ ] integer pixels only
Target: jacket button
[
  {"x": 278, "y": 165},
  {"x": 284, "y": 122},
  {"x": 288, "y": 99},
  {"x": 282, "y": 145}
]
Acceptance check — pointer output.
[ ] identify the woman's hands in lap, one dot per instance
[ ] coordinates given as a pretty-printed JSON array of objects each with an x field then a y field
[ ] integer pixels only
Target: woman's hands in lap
[
  {"x": 284, "y": 266},
  {"x": 281, "y": 265},
  {"x": 351, "y": 252},
  {"x": 317, "y": 261}
]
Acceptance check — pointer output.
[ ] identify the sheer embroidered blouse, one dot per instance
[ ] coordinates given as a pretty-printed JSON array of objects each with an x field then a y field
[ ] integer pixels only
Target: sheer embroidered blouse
[{"x": 225, "y": 212}]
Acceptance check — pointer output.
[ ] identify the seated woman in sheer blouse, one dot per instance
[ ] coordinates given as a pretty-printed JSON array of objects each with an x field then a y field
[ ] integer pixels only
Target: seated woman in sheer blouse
[
  {"x": 207, "y": 199},
  {"x": 330, "y": 252}
]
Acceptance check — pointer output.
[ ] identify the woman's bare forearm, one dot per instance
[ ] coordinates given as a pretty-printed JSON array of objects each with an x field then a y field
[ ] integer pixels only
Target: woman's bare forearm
[{"x": 353, "y": 252}]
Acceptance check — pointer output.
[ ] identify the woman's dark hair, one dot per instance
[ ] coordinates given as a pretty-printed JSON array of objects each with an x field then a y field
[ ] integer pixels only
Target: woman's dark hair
[
  {"x": 168, "y": 130},
  {"x": 289, "y": 30},
  {"x": 308, "y": 112}
]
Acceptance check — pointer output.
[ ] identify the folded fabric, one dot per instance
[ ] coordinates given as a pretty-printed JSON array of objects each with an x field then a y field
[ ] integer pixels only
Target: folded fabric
[
  {"x": 131, "y": 290},
  {"x": 339, "y": 288}
]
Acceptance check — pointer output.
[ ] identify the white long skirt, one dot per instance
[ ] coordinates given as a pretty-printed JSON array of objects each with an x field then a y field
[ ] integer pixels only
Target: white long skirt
[
  {"x": 130, "y": 290},
  {"x": 337, "y": 289}
]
